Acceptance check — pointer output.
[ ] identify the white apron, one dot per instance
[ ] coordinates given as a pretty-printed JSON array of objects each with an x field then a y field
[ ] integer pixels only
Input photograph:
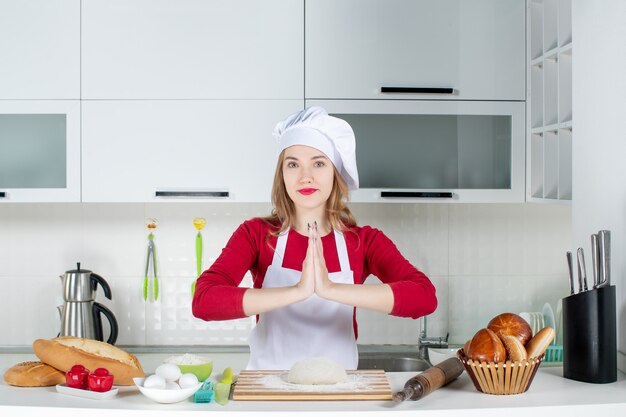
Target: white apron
[{"x": 309, "y": 328}]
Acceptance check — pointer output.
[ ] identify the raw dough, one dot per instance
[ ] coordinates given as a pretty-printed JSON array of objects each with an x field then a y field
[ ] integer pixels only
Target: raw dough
[{"x": 317, "y": 371}]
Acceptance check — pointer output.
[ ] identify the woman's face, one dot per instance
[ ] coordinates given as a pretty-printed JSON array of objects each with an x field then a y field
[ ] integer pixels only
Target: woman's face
[{"x": 308, "y": 176}]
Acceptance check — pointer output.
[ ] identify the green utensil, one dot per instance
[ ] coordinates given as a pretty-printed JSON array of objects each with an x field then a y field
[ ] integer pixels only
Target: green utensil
[
  {"x": 199, "y": 224},
  {"x": 154, "y": 267},
  {"x": 151, "y": 259},
  {"x": 198, "y": 262},
  {"x": 199, "y": 253}
]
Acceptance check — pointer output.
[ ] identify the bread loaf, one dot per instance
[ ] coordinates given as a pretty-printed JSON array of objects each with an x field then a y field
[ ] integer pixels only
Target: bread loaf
[
  {"x": 486, "y": 346},
  {"x": 33, "y": 374},
  {"x": 515, "y": 351},
  {"x": 67, "y": 351},
  {"x": 540, "y": 342},
  {"x": 510, "y": 324}
]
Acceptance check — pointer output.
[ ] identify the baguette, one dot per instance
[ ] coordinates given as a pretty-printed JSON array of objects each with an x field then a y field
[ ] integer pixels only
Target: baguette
[
  {"x": 67, "y": 351},
  {"x": 540, "y": 342},
  {"x": 33, "y": 374}
]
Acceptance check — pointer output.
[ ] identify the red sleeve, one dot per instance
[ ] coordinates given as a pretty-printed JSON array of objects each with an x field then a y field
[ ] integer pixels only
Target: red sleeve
[
  {"x": 218, "y": 295},
  {"x": 414, "y": 294}
]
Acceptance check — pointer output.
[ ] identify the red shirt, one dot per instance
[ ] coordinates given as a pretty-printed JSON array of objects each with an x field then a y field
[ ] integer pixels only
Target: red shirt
[{"x": 219, "y": 297}]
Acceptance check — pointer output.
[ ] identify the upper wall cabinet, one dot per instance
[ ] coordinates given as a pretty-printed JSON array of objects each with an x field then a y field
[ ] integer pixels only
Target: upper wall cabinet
[
  {"x": 192, "y": 49},
  {"x": 40, "y": 49},
  {"x": 447, "y": 151},
  {"x": 180, "y": 150},
  {"x": 465, "y": 50},
  {"x": 39, "y": 151}
]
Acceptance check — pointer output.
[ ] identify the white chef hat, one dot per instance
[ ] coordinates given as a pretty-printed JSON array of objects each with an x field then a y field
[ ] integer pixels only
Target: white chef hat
[{"x": 331, "y": 135}]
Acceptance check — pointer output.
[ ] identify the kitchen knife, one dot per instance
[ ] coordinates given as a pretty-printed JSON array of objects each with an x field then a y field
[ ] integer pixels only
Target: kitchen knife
[
  {"x": 582, "y": 272},
  {"x": 570, "y": 268},
  {"x": 604, "y": 243},
  {"x": 595, "y": 259}
]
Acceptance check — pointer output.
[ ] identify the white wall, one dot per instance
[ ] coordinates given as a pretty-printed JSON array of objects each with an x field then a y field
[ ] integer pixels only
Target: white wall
[
  {"x": 599, "y": 138},
  {"x": 483, "y": 258}
]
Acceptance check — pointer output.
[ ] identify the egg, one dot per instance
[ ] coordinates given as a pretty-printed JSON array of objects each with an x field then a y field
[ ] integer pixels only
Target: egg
[
  {"x": 171, "y": 385},
  {"x": 168, "y": 372},
  {"x": 154, "y": 381},
  {"x": 188, "y": 381}
]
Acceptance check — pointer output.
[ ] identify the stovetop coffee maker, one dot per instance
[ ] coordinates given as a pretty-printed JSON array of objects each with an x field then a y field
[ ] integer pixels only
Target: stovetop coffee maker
[{"x": 80, "y": 314}]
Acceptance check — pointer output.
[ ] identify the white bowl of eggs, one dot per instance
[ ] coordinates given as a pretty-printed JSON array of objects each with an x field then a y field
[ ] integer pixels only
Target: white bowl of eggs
[{"x": 168, "y": 384}]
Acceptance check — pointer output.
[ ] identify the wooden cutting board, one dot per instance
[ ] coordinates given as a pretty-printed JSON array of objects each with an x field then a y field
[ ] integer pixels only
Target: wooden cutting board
[{"x": 273, "y": 386}]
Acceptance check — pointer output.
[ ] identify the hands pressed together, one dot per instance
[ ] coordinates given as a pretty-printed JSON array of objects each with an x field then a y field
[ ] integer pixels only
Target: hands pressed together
[{"x": 314, "y": 279}]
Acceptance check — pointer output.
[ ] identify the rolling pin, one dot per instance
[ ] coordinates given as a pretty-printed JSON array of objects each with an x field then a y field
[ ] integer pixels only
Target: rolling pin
[{"x": 431, "y": 379}]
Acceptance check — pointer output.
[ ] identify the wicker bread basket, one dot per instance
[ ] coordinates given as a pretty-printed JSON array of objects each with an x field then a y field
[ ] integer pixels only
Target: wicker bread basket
[{"x": 502, "y": 378}]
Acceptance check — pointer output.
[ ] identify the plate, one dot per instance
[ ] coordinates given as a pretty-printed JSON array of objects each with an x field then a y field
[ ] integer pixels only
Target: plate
[
  {"x": 526, "y": 316},
  {"x": 548, "y": 318},
  {"x": 559, "y": 323},
  {"x": 64, "y": 389}
]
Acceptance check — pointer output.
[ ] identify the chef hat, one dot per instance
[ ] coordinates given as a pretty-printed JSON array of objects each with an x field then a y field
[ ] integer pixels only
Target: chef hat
[{"x": 331, "y": 135}]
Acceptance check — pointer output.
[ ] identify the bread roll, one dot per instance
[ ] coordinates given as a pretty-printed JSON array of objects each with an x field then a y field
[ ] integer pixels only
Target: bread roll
[
  {"x": 466, "y": 347},
  {"x": 486, "y": 347},
  {"x": 540, "y": 342},
  {"x": 510, "y": 324},
  {"x": 515, "y": 351},
  {"x": 67, "y": 351},
  {"x": 33, "y": 374}
]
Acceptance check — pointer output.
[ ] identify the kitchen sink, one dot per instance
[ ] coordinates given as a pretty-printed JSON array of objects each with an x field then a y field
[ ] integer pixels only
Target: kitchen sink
[{"x": 392, "y": 363}]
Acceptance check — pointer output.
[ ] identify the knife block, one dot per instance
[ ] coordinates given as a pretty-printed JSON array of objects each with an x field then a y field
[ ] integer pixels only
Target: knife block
[{"x": 590, "y": 336}]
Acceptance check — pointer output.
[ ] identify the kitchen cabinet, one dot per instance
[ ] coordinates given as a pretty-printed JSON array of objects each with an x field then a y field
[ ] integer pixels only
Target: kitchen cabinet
[
  {"x": 40, "y": 49},
  {"x": 436, "y": 151},
  {"x": 39, "y": 150},
  {"x": 180, "y": 150},
  {"x": 192, "y": 49},
  {"x": 476, "y": 49},
  {"x": 549, "y": 173}
]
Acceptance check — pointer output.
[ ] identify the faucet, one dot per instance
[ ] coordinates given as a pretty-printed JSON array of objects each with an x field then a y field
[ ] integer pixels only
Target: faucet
[{"x": 425, "y": 342}]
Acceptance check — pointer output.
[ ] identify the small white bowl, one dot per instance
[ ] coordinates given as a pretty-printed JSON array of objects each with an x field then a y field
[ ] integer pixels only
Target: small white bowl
[
  {"x": 166, "y": 396},
  {"x": 437, "y": 355}
]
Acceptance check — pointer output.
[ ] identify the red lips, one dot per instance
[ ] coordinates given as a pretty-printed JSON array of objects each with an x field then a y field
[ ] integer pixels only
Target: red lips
[{"x": 307, "y": 191}]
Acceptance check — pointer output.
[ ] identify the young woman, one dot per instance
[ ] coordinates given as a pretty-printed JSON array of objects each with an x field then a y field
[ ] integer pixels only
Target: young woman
[{"x": 309, "y": 258}]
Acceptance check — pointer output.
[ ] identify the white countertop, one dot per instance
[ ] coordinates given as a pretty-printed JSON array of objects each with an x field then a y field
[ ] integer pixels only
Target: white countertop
[{"x": 550, "y": 394}]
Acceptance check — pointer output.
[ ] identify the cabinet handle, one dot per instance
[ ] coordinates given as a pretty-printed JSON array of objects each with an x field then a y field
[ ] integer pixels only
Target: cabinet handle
[
  {"x": 415, "y": 194},
  {"x": 418, "y": 90},
  {"x": 3, "y": 194},
  {"x": 193, "y": 194}
]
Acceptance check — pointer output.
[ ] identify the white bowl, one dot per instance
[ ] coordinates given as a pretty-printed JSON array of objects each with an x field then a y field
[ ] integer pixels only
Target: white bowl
[
  {"x": 437, "y": 355},
  {"x": 166, "y": 396}
]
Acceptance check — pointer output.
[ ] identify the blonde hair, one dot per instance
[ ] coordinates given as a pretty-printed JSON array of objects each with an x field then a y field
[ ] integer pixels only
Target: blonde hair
[{"x": 283, "y": 215}]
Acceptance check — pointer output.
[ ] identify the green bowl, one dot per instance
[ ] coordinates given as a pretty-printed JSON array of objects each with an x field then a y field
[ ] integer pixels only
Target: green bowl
[{"x": 201, "y": 371}]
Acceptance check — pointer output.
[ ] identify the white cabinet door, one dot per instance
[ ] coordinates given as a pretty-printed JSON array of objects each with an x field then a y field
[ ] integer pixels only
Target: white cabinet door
[
  {"x": 133, "y": 150},
  {"x": 40, "y": 49},
  {"x": 356, "y": 47},
  {"x": 436, "y": 151},
  {"x": 39, "y": 151},
  {"x": 192, "y": 49}
]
